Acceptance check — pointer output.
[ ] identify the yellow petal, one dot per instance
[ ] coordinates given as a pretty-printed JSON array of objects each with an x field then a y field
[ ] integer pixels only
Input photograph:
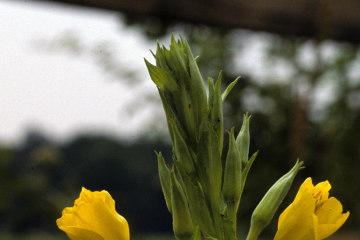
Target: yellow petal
[
  {"x": 323, "y": 189},
  {"x": 300, "y": 223},
  {"x": 75, "y": 233},
  {"x": 324, "y": 186},
  {"x": 282, "y": 215},
  {"x": 330, "y": 217},
  {"x": 95, "y": 212},
  {"x": 307, "y": 184}
]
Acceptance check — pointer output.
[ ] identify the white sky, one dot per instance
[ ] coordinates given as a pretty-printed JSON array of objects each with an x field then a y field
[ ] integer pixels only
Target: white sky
[{"x": 60, "y": 93}]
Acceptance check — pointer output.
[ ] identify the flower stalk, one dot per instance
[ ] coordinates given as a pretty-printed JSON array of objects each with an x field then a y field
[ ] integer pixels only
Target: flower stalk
[{"x": 195, "y": 123}]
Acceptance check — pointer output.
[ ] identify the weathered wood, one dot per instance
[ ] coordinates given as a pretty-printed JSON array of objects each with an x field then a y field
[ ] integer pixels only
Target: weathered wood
[{"x": 337, "y": 19}]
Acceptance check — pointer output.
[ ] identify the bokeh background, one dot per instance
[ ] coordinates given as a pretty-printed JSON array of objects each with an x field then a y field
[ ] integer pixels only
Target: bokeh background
[{"x": 78, "y": 108}]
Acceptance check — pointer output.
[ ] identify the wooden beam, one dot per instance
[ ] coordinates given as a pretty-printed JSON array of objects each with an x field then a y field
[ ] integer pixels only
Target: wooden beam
[{"x": 334, "y": 19}]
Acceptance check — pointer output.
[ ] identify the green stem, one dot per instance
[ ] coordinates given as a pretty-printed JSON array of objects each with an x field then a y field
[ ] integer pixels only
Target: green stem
[{"x": 253, "y": 233}]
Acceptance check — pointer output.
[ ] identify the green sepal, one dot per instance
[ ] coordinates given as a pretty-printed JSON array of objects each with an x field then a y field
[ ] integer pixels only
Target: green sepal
[
  {"x": 228, "y": 89},
  {"x": 210, "y": 170},
  {"x": 197, "y": 202},
  {"x": 232, "y": 179},
  {"x": 229, "y": 231},
  {"x": 243, "y": 139},
  {"x": 171, "y": 116},
  {"x": 164, "y": 179},
  {"x": 197, "y": 81},
  {"x": 190, "y": 100},
  {"x": 185, "y": 101},
  {"x": 209, "y": 160},
  {"x": 161, "y": 78},
  {"x": 197, "y": 231},
  {"x": 182, "y": 223},
  {"x": 265, "y": 210},
  {"x": 246, "y": 171},
  {"x": 161, "y": 60},
  {"x": 183, "y": 154},
  {"x": 168, "y": 58},
  {"x": 178, "y": 55},
  {"x": 154, "y": 57},
  {"x": 211, "y": 93},
  {"x": 217, "y": 114}
]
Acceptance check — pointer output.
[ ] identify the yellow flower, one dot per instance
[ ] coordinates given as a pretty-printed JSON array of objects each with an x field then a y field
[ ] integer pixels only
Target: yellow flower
[
  {"x": 93, "y": 217},
  {"x": 312, "y": 215}
]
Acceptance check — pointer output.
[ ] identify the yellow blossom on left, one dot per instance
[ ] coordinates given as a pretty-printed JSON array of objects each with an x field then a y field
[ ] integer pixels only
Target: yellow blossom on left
[{"x": 93, "y": 217}]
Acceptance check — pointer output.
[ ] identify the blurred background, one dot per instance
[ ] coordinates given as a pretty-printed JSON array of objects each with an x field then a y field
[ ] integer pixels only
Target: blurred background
[{"x": 79, "y": 109}]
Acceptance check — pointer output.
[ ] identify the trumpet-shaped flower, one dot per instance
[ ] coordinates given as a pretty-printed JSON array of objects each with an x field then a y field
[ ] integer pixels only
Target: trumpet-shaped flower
[
  {"x": 93, "y": 217},
  {"x": 312, "y": 215}
]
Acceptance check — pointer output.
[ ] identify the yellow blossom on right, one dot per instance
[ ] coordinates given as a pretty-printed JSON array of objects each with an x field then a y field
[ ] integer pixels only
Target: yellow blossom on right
[{"x": 312, "y": 215}]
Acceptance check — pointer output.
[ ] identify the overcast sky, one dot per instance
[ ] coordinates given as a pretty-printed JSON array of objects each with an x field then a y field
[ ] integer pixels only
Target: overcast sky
[{"x": 61, "y": 93}]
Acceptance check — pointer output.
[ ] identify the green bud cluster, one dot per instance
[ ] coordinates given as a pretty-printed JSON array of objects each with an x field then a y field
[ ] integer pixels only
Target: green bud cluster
[{"x": 200, "y": 202}]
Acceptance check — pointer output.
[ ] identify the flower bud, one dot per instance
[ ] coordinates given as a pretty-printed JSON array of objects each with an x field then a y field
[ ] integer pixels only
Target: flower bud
[
  {"x": 243, "y": 140},
  {"x": 182, "y": 222},
  {"x": 232, "y": 179},
  {"x": 267, "y": 207}
]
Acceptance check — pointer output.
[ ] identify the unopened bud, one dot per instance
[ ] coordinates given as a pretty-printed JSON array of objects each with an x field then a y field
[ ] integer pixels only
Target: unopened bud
[
  {"x": 243, "y": 140},
  {"x": 232, "y": 179},
  {"x": 267, "y": 207}
]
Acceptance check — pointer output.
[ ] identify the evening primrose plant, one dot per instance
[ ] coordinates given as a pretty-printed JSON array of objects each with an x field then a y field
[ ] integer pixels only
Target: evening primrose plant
[{"x": 202, "y": 197}]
